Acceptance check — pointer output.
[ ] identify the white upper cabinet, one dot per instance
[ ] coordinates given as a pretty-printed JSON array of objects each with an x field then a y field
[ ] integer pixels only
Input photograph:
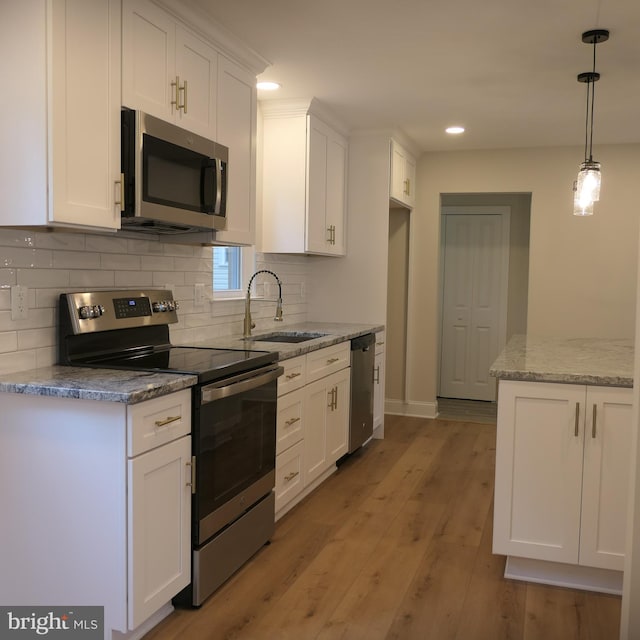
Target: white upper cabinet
[
  {"x": 236, "y": 108},
  {"x": 403, "y": 175},
  {"x": 304, "y": 180},
  {"x": 62, "y": 124},
  {"x": 168, "y": 71}
]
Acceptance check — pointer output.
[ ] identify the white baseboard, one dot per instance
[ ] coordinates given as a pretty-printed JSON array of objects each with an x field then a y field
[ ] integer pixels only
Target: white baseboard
[
  {"x": 413, "y": 408},
  {"x": 564, "y": 575}
]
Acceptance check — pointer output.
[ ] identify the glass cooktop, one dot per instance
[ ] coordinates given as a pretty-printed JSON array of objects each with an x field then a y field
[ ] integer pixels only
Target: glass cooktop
[{"x": 207, "y": 363}]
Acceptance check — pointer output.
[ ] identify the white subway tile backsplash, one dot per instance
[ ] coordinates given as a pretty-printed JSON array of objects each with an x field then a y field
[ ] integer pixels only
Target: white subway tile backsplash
[
  {"x": 120, "y": 261},
  {"x": 15, "y": 257},
  {"x": 43, "y": 277},
  {"x": 34, "y": 338},
  {"x": 8, "y": 341},
  {"x": 75, "y": 260},
  {"x": 157, "y": 263},
  {"x": 60, "y": 241},
  {"x": 7, "y": 277},
  {"x": 52, "y": 263},
  {"x": 91, "y": 279},
  {"x": 106, "y": 244}
]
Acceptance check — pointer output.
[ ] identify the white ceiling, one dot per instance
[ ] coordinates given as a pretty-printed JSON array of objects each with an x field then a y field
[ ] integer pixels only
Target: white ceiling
[{"x": 504, "y": 69}]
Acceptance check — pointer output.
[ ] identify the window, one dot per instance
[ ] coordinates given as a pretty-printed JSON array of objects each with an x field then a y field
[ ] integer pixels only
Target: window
[{"x": 232, "y": 268}]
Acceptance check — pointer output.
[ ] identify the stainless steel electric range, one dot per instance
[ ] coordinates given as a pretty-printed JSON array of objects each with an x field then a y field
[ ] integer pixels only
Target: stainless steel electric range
[{"x": 233, "y": 418}]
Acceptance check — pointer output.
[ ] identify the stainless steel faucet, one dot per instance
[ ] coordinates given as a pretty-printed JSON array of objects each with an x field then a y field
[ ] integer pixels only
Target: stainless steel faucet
[{"x": 248, "y": 324}]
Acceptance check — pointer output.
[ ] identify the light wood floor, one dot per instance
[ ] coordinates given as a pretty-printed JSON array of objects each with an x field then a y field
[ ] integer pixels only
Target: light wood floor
[{"x": 396, "y": 544}]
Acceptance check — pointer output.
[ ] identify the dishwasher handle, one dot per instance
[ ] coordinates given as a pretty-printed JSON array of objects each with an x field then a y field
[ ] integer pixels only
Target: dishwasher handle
[{"x": 240, "y": 383}]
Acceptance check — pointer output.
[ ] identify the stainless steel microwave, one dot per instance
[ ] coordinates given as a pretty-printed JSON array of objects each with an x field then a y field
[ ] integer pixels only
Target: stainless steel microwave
[{"x": 174, "y": 181}]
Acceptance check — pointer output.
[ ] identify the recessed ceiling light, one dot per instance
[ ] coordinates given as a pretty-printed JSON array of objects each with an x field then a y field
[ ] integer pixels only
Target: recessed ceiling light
[
  {"x": 267, "y": 86},
  {"x": 454, "y": 130}
]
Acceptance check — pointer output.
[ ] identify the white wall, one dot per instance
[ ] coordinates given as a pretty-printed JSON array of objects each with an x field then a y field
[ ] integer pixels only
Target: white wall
[
  {"x": 51, "y": 263},
  {"x": 582, "y": 271},
  {"x": 354, "y": 288}
]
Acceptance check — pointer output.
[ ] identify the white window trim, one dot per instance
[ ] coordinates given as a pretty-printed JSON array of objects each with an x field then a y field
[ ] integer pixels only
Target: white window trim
[{"x": 248, "y": 267}]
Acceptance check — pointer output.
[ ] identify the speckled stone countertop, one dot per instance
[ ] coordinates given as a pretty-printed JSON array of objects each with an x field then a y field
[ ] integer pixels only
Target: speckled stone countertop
[
  {"x": 334, "y": 332},
  {"x": 592, "y": 361},
  {"x": 129, "y": 387}
]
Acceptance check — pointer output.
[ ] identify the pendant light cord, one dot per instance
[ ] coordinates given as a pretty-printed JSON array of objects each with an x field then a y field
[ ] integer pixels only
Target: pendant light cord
[{"x": 593, "y": 97}]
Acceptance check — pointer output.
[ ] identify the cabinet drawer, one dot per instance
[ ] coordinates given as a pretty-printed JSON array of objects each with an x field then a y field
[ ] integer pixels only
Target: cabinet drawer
[
  {"x": 328, "y": 360},
  {"x": 294, "y": 375},
  {"x": 288, "y": 475},
  {"x": 158, "y": 421},
  {"x": 290, "y": 425}
]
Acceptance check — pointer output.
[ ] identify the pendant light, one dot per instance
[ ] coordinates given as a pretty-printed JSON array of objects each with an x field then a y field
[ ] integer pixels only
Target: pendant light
[{"x": 587, "y": 187}]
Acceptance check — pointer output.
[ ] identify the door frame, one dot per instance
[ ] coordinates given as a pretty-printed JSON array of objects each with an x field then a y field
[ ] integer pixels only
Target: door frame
[{"x": 504, "y": 211}]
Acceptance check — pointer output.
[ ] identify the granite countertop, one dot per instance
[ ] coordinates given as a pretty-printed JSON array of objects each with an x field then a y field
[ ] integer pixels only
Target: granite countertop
[
  {"x": 335, "y": 332},
  {"x": 131, "y": 387},
  {"x": 592, "y": 361}
]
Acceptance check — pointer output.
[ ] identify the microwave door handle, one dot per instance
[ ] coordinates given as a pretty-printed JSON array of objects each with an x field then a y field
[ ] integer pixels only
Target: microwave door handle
[
  {"x": 209, "y": 204},
  {"x": 218, "y": 206}
]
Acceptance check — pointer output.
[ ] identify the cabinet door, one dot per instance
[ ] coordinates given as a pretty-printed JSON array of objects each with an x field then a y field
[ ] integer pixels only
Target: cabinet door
[
  {"x": 606, "y": 477},
  {"x": 289, "y": 475},
  {"x": 85, "y": 107},
  {"x": 159, "y": 527},
  {"x": 317, "y": 231},
  {"x": 403, "y": 171},
  {"x": 197, "y": 73},
  {"x": 326, "y": 184},
  {"x": 318, "y": 396},
  {"x": 378, "y": 391},
  {"x": 237, "y": 131},
  {"x": 148, "y": 59},
  {"x": 338, "y": 415},
  {"x": 336, "y": 194},
  {"x": 539, "y": 470}
]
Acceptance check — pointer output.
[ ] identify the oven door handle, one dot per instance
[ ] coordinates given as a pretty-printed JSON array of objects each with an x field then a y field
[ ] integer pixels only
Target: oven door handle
[{"x": 240, "y": 384}]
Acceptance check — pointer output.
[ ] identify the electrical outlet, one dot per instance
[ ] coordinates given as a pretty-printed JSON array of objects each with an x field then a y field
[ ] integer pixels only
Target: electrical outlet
[
  {"x": 19, "y": 302},
  {"x": 198, "y": 294}
]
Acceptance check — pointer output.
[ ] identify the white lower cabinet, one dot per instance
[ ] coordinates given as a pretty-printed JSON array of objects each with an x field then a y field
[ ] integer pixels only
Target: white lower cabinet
[
  {"x": 313, "y": 421},
  {"x": 109, "y": 484},
  {"x": 562, "y": 473},
  {"x": 378, "y": 387}
]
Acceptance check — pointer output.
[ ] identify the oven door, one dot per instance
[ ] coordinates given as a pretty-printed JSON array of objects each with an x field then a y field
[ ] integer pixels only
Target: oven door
[{"x": 234, "y": 443}]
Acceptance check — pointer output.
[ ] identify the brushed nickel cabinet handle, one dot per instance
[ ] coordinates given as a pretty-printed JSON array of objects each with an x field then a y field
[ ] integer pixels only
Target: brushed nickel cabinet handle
[
  {"x": 119, "y": 199},
  {"x": 183, "y": 106},
  {"x": 576, "y": 430},
  {"x": 168, "y": 420},
  {"x": 593, "y": 425},
  {"x": 192, "y": 464},
  {"x": 176, "y": 93},
  {"x": 376, "y": 375}
]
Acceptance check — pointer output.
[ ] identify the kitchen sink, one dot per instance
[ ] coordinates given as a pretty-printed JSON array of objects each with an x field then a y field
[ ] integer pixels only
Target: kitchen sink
[{"x": 286, "y": 336}]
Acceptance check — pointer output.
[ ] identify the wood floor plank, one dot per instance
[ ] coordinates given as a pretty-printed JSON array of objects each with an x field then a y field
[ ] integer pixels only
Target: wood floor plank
[{"x": 369, "y": 606}]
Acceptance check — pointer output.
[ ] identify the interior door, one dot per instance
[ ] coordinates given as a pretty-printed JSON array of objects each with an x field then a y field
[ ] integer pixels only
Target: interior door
[{"x": 475, "y": 265}]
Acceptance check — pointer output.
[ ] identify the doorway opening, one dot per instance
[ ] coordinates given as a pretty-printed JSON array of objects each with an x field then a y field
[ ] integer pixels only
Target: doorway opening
[{"x": 484, "y": 272}]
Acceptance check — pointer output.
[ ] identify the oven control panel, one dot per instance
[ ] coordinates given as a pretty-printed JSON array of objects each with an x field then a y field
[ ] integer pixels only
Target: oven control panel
[{"x": 106, "y": 310}]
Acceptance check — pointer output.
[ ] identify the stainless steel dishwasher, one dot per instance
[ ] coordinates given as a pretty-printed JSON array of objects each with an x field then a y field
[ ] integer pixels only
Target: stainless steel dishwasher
[{"x": 362, "y": 365}]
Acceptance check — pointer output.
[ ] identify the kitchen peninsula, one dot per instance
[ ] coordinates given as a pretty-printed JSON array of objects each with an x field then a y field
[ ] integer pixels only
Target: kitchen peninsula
[{"x": 562, "y": 460}]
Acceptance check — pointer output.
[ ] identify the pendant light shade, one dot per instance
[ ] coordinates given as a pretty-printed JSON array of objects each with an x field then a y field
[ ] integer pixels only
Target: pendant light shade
[{"x": 587, "y": 187}]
